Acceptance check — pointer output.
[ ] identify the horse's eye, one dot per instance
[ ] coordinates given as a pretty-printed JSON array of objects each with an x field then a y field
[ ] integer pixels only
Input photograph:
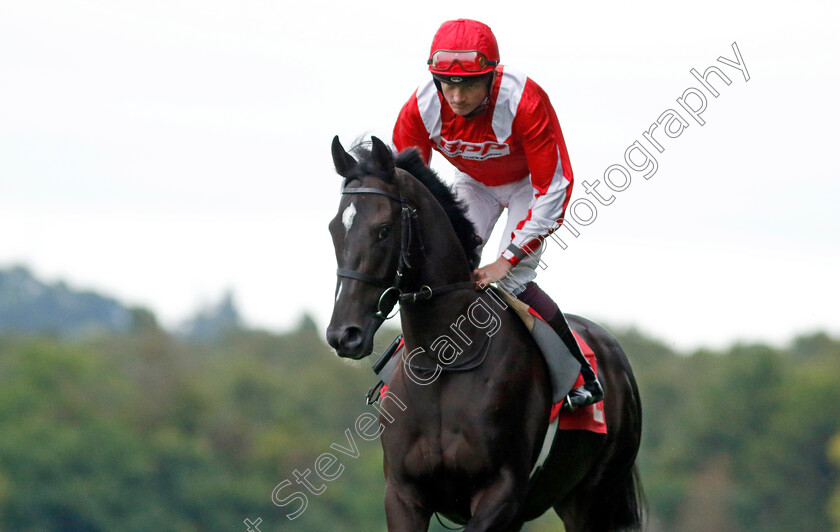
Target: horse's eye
[{"x": 384, "y": 232}]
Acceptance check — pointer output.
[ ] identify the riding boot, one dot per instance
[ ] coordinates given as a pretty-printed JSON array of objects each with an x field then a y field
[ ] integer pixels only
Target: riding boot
[{"x": 591, "y": 392}]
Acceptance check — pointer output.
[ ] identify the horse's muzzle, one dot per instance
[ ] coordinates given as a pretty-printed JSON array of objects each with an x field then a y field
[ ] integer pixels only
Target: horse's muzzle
[{"x": 349, "y": 342}]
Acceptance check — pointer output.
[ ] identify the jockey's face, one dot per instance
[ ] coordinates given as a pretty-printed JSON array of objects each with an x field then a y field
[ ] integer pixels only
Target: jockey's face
[{"x": 464, "y": 98}]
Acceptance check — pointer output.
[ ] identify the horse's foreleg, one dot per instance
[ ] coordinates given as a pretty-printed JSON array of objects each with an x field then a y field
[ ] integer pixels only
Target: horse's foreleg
[
  {"x": 497, "y": 505},
  {"x": 404, "y": 510}
]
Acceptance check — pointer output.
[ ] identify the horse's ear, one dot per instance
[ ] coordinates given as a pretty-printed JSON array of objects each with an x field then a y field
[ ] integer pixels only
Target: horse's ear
[
  {"x": 344, "y": 162},
  {"x": 383, "y": 159}
]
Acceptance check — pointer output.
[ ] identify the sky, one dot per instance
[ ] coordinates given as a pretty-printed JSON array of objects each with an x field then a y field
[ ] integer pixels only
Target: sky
[{"x": 165, "y": 153}]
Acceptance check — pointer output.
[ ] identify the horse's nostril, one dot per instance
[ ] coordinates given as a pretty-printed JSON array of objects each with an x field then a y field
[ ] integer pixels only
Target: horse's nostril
[
  {"x": 352, "y": 338},
  {"x": 346, "y": 338},
  {"x": 332, "y": 337}
]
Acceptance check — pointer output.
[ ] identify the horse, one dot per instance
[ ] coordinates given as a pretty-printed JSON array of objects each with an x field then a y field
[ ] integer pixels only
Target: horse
[{"x": 472, "y": 389}]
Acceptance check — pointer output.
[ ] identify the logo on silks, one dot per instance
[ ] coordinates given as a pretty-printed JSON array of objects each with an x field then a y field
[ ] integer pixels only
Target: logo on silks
[{"x": 472, "y": 150}]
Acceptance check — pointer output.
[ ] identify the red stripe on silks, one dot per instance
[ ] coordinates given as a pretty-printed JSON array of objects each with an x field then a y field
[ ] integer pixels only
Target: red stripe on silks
[
  {"x": 590, "y": 418},
  {"x": 530, "y": 246},
  {"x": 565, "y": 203},
  {"x": 539, "y": 193},
  {"x": 521, "y": 223}
]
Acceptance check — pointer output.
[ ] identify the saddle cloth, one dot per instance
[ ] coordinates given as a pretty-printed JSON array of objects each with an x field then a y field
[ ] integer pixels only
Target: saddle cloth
[
  {"x": 564, "y": 370},
  {"x": 590, "y": 417}
]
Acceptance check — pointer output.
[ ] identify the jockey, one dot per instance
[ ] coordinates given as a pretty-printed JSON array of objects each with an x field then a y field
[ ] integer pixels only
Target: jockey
[{"x": 499, "y": 130}]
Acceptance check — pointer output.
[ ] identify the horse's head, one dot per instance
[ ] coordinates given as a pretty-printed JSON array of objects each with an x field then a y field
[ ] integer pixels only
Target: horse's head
[{"x": 369, "y": 248}]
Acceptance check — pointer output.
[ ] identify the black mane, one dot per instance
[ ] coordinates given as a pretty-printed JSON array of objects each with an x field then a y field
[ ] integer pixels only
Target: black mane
[{"x": 411, "y": 161}]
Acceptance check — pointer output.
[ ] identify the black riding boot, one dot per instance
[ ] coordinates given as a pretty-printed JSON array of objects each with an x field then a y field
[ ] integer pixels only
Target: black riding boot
[{"x": 591, "y": 392}]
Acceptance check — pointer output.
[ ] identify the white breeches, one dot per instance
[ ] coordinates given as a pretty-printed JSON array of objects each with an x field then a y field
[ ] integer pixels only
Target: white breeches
[{"x": 484, "y": 207}]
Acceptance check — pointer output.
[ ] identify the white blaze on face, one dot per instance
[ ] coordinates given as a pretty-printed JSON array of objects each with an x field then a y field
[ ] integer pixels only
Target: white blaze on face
[{"x": 347, "y": 217}]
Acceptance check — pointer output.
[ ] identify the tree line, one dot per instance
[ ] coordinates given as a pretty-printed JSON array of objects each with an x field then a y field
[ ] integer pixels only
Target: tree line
[{"x": 141, "y": 430}]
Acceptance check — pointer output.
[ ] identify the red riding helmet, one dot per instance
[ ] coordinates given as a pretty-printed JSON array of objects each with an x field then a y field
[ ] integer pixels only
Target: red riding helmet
[{"x": 463, "y": 47}]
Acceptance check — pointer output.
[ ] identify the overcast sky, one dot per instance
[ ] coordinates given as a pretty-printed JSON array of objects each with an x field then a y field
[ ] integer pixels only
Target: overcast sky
[{"x": 165, "y": 152}]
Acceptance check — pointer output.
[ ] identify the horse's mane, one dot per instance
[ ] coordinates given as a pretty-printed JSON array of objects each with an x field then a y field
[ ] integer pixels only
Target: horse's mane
[{"x": 411, "y": 161}]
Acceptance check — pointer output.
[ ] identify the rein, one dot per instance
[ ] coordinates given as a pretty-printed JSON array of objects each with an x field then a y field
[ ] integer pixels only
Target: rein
[{"x": 393, "y": 293}]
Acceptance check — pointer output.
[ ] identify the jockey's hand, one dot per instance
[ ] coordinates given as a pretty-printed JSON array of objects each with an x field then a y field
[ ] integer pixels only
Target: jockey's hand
[{"x": 491, "y": 273}]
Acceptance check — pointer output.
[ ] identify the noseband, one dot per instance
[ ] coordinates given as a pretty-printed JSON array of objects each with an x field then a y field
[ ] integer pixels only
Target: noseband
[{"x": 409, "y": 218}]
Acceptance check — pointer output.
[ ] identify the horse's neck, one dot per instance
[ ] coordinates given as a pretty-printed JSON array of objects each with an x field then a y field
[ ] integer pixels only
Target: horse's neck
[
  {"x": 424, "y": 323},
  {"x": 443, "y": 260},
  {"x": 444, "y": 263}
]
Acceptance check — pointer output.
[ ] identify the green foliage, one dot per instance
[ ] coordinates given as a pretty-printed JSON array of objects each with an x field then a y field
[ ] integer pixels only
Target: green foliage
[
  {"x": 143, "y": 431},
  {"x": 752, "y": 423},
  {"x": 834, "y": 457}
]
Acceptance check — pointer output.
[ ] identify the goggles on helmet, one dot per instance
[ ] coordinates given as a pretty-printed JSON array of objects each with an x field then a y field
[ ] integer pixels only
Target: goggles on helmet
[{"x": 470, "y": 60}]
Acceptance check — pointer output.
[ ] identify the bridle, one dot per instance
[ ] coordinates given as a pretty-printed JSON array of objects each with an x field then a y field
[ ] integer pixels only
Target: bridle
[{"x": 393, "y": 292}]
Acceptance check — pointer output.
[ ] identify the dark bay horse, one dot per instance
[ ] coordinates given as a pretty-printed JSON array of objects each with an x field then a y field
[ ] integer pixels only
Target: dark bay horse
[{"x": 473, "y": 387}]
